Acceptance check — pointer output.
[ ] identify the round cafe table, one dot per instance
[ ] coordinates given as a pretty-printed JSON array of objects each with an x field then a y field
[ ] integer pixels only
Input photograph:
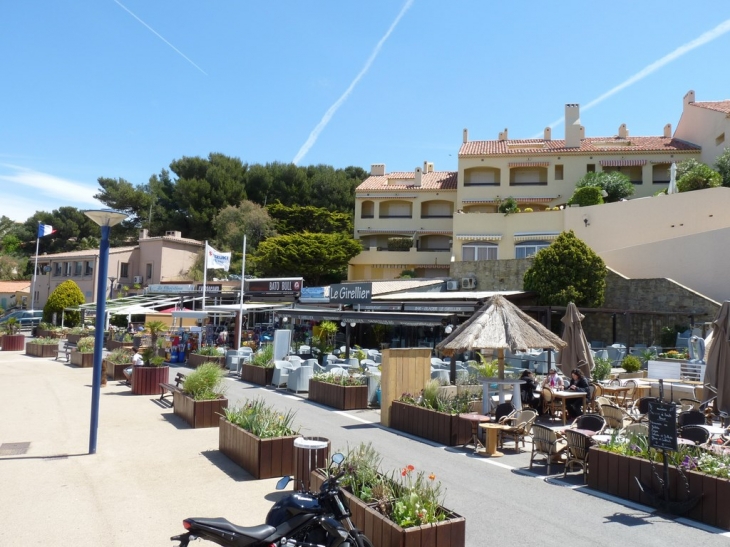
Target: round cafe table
[
  {"x": 492, "y": 435},
  {"x": 474, "y": 420}
]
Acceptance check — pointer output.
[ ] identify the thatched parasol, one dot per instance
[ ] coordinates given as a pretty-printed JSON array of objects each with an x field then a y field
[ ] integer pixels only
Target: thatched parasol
[
  {"x": 577, "y": 350},
  {"x": 717, "y": 373},
  {"x": 499, "y": 325}
]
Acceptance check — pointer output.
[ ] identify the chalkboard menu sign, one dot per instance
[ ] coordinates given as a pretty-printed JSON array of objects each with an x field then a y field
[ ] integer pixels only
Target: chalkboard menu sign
[{"x": 663, "y": 425}]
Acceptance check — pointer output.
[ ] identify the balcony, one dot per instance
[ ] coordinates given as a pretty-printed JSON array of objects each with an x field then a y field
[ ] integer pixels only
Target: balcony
[{"x": 411, "y": 258}]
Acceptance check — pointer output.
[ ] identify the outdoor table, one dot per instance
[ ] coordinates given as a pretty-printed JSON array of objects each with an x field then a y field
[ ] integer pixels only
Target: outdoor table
[
  {"x": 642, "y": 390},
  {"x": 713, "y": 430},
  {"x": 616, "y": 391},
  {"x": 516, "y": 397},
  {"x": 474, "y": 420},
  {"x": 564, "y": 395},
  {"x": 586, "y": 432},
  {"x": 492, "y": 435},
  {"x": 601, "y": 439}
]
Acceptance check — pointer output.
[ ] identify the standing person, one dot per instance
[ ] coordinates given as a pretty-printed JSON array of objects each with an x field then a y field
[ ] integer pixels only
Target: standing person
[
  {"x": 578, "y": 382},
  {"x": 137, "y": 361}
]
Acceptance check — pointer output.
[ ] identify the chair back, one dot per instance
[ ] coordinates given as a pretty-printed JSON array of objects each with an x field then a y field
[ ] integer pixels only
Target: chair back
[
  {"x": 614, "y": 382},
  {"x": 639, "y": 429},
  {"x": 597, "y": 390},
  {"x": 613, "y": 416},
  {"x": 600, "y": 401},
  {"x": 694, "y": 433},
  {"x": 526, "y": 420},
  {"x": 502, "y": 410},
  {"x": 642, "y": 404},
  {"x": 690, "y": 417},
  {"x": 578, "y": 444},
  {"x": 547, "y": 395},
  {"x": 690, "y": 404},
  {"x": 592, "y": 422},
  {"x": 543, "y": 439},
  {"x": 631, "y": 384}
]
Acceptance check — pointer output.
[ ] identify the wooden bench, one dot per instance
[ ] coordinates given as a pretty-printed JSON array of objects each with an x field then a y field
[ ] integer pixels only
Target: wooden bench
[
  {"x": 170, "y": 388},
  {"x": 68, "y": 347}
]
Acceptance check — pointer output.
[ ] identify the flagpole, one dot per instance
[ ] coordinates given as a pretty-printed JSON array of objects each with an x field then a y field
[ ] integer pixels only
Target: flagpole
[
  {"x": 205, "y": 271},
  {"x": 35, "y": 269},
  {"x": 243, "y": 276}
]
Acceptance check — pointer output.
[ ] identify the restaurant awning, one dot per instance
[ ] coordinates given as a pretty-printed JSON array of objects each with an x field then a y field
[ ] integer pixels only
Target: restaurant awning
[{"x": 368, "y": 317}]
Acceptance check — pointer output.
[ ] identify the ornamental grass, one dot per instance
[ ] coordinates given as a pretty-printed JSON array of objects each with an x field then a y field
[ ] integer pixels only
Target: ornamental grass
[{"x": 261, "y": 419}]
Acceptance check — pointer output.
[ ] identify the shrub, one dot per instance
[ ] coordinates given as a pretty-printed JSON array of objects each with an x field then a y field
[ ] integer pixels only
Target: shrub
[
  {"x": 205, "y": 383},
  {"x": 264, "y": 357},
  {"x": 586, "y": 196},
  {"x": 528, "y": 209},
  {"x": 86, "y": 344},
  {"x": 508, "y": 206},
  {"x": 340, "y": 379},
  {"x": 119, "y": 356},
  {"x": 11, "y": 326},
  {"x": 631, "y": 363},
  {"x": 400, "y": 243},
  {"x": 261, "y": 419},
  {"x": 617, "y": 185},
  {"x": 150, "y": 359},
  {"x": 66, "y": 295},
  {"x": 210, "y": 351},
  {"x": 487, "y": 369},
  {"x": 602, "y": 369},
  {"x": 46, "y": 341},
  {"x": 698, "y": 178}
]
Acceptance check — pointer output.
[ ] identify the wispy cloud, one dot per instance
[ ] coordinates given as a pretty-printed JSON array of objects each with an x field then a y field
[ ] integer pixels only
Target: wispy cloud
[
  {"x": 153, "y": 31},
  {"x": 701, "y": 40},
  {"x": 47, "y": 185},
  {"x": 332, "y": 109}
]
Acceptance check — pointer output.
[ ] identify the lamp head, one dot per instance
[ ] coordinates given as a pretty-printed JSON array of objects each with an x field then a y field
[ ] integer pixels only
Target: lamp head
[{"x": 106, "y": 217}]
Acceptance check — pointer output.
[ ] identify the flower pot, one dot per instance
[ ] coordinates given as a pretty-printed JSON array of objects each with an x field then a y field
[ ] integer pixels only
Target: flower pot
[
  {"x": 41, "y": 350},
  {"x": 82, "y": 359},
  {"x": 195, "y": 360},
  {"x": 198, "y": 414},
  {"x": 115, "y": 372},
  {"x": 74, "y": 338},
  {"x": 262, "y": 458},
  {"x": 12, "y": 342},
  {"x": 340, "y": 397},
  {"x": 147, "y": 380},
  {"x": 261, "y": 376}
]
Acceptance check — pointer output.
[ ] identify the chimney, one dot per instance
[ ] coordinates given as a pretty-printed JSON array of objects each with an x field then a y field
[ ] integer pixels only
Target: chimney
[
  {"x": 548, "y": 134},
  {"x": 689, "y": 98},
  {"x": 572, "y": 126},
  {"x": 668, "y": 130},
  {"x": 623, "y": 132},
  {"x": 503, "y": 135},
  {"x": 429, "y": 167},
  {"x": 417, "y": 181},
  {"x": 174, "y": 234},
  {"x": 143, "y": 234},
  {"x": 377, "y": 170},
  {"x": 466, "y": 135},
  {"x": 425, "y": 167}
]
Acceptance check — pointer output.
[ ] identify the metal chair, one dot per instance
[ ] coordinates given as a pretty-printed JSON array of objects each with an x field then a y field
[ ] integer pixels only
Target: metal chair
[
  {"x": 577, "y": 450},
  {"x": 694, "y": 433},
  {"x": 690, "y": 417},
  {"x": 520, "y": 426},
  {"x": 545, "y": 443},
  {"x": 591, "y": 422}
]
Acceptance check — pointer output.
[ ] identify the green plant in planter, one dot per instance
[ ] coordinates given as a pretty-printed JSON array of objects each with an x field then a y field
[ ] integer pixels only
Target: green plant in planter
[
  {"x": 210, "y": 351},
  {"x": 11, "y": 326},
  {"x": 508, "y": 206},
  {"x": 325, "y": 342},
  {"x": 362, "y": 474},
  {"x": 261, "y": 419},
  {"x": 359, "y": 353},
  {"x": 150, "y": 359},
  {"x": 85, "y": 344},
  {"x": 602, "y": 369},
  {"x": 631, "y": 363},
  {"x": 264, "y": 357},
  {"x": 487, "y": 369},
  {"x": 155, "y": 328},
  {"x": 119, "y": 356},
  {"x": 340, "y": 379},
  {"x": 46, "y": 341},
  {"x": 205, "y": 383}
]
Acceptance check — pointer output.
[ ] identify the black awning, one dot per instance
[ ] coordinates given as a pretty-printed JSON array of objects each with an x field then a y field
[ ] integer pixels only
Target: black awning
[{"x": 369, "y": 317}]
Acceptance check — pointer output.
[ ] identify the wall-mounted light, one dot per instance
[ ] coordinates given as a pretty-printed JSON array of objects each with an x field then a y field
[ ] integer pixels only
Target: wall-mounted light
[
  {"x": 343, "y": 323},
  {"x": 586, "y": 222},
  {"x": 284, "y": 319},
  {"x": 449, "y": 329},
  {"x": 353, "y": 324}
]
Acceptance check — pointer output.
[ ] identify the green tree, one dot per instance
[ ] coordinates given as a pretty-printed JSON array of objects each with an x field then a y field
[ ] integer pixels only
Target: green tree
[
  {"x": 248, "y": 218},
  {"x": 319, "y": 258},
  {"x": 13, "y": 267},
  {"x": 617, "y": 185},
  {"x": 722, "y": 166},
  {"x": 67, "y": 294},
  {"x": 699, "y": 177},
  {"x": 567, "y": 271},
  {"x": 292, "y": 219},
  {"x": 586, "y": 196}
]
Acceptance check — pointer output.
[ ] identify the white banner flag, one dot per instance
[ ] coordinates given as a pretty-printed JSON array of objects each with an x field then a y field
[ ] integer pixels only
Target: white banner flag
[{"x": 217, "y": 260}]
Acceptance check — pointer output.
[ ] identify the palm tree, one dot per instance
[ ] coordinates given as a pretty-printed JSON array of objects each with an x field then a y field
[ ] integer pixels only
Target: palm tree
[{"x": 155, "y": 328}]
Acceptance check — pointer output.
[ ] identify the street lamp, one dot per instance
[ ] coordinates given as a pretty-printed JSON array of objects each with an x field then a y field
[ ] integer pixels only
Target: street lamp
[
  {"x": 105, "y": 218},
  {"x": 111, "y": 289}
]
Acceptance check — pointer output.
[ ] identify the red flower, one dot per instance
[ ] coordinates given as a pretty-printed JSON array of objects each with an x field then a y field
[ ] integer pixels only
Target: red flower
[
  {"x": 403, "y": 473},
  {"x": 410, "y": 468},
  {"x": 432, "y": 476}
]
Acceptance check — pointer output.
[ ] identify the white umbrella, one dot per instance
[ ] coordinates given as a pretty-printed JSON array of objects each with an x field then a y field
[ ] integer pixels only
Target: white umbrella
[{"x": 672, "y": 188}]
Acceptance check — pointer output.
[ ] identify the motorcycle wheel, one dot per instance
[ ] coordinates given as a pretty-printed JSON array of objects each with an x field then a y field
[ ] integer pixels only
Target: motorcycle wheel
[{"x": 364, "y": 540}]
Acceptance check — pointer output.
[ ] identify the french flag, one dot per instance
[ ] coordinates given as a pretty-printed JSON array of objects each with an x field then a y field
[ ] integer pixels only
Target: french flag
[{"x": 45, "y": 230}]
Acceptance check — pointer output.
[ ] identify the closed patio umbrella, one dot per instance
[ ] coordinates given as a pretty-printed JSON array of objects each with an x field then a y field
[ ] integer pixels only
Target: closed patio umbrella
[
  {"x": 577, "y": 350},
  {"x": 717, "y": 373}
]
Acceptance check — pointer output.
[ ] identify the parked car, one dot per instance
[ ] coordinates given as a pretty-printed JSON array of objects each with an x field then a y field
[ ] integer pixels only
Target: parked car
[{"x": 26, "y": 318}]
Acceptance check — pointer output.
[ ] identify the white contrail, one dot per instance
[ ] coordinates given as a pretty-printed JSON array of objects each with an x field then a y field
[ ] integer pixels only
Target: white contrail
[
  {"x": 705, "y": 38},
  {"x": 332, "y": 109},
  {"x": 159, "y": 36}
]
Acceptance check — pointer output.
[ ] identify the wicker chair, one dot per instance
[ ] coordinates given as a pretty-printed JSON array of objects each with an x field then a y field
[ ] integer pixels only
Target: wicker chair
[
  {"x": 577, "y": 450},
  {"x": 592, "y": 422},
  {"x": 640, "y": 408},
  {"x": 616, "y": 417},
  {"x": 520, "y": 426},
  {"x": 545, "y": 443},
  {"x": 639, "y": 429},
  {"x": 690, "y": 404},
  {"x": 690, "y": 417},
  {"x": 630, "y": 394},
  {"x": 549, "y": 404},
  {"x": 694, "y": 433}
]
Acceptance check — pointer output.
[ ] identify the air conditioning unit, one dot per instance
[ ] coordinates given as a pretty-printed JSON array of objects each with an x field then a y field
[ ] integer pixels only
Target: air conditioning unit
[
  {"x": 452, "y": 285},
  {"x": 137, "y": 279},
  {"x": 468, "y": 283}
]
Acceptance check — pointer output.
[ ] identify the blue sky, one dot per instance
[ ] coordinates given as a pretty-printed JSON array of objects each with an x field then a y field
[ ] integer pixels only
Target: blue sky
[{"x": 120, "y": 88}]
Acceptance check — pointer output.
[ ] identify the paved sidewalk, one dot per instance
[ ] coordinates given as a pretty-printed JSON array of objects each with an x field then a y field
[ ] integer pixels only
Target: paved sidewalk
[{"x": 150, "y": 471}]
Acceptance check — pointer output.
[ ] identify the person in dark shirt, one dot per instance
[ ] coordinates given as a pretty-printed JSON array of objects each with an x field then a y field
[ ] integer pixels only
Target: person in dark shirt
[
  {"x": 578, "y": 382},
  {"x": 527, "y": 391}
]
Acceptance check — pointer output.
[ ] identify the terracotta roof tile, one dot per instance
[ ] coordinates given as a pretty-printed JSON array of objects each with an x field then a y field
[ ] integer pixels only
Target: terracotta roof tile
[
  {"x": 720, "y": 106},
  {"x": 13, "y": 286},
  {"x": 595, "y": 145},
  {"x": 80, "y": 254},
  {"x": 435, "y": 180}
]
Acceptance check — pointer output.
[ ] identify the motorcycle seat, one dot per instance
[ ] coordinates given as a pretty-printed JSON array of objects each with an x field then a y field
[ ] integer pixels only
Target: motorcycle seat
[{"x": 259, "y": 533}]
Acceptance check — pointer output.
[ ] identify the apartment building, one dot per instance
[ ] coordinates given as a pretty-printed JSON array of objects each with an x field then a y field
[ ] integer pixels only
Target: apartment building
[
  {"x": 153, "y": 260},
  {"x": 452, "y": 216}
]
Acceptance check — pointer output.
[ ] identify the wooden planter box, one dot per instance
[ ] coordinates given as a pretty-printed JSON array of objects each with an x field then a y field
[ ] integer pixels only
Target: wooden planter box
[
  {"x": 195, "y": 360},
  {"x": 82, "y": 359},
  {"x": 113, "y": 344},
  {"x": 115, "y": 372},
  {"x": 262, "y": 458},
  {"x": 12, "y": 342},
  {"x": 615, "y": 474},
  {"x": 340, "y": 397},
  {"x": 43, "y": 333},
  {"x": 41, "y": 350},
  {"x": 261, "y": 376},
  {"x": 198, "y": 413},
  {"x": 385, "y": 533},
  {"x": 429, "y": 424},
  {"x": 147, "y": 380},
  {"x": 74, "y": 338}
]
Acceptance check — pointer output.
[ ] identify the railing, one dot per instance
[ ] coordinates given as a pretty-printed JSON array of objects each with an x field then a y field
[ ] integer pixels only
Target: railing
[
  {"x": 535, "y": 183},
  {"x": 367, "y": 216},
  {"x": 434, "y": 249},
  {"x": 396, "y": 216},
  {"x": 438, "y": 216}
]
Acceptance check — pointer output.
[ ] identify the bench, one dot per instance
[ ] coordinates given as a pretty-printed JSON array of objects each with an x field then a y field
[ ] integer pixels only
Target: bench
[
  {"x": 171, "y": 388},
  {"x": 68, "y": 347}
]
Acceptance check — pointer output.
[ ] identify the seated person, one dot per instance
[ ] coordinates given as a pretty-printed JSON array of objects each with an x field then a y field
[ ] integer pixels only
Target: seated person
[
  {"x": 137, "y": 361},
  {"x": 553, "y": 380},
  {"x": 578, "y": 382},
  {"x": 527, "y": 391}
]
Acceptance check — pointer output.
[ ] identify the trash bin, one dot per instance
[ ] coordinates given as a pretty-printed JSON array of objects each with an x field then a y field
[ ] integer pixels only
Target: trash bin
[{"x": 310, "y": 453}]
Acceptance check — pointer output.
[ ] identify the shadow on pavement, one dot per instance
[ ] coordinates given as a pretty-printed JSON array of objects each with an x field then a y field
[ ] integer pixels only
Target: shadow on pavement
[
  {"x": 221, "y": 461},
  {"x": 177, "y": 421}
]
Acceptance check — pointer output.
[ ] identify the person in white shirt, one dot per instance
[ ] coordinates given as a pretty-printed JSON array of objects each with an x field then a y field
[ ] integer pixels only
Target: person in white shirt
[
  {"x": 553, "y": 380},
  {"x": 137, "y": 361}
]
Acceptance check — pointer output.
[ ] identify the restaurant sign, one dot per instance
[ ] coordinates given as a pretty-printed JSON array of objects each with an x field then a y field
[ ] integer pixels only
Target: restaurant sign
[
  {"x": 351, "y": 293},
  {"x": 275, "y": 286}
]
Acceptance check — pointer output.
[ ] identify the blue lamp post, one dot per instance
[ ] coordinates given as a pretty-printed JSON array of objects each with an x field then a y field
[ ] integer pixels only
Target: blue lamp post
[{"x": 106, "y": 219}]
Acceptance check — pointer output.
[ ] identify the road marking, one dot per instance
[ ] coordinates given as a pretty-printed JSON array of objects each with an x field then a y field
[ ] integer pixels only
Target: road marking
[{"x": 356, "y": 418}]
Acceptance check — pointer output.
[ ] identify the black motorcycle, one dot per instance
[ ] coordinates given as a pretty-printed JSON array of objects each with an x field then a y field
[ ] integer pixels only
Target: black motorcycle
[{"x": 304, "y": 519}]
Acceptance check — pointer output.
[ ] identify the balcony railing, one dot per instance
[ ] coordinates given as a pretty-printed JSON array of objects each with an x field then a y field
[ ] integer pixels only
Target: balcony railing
[
  {"x": 371, "y": 215},
  {"x": 396, "y": 216},
  {"x": 434, "y": 250},
  {"x": 535, "y": 183},
  {"x": 438, "y": 216}
]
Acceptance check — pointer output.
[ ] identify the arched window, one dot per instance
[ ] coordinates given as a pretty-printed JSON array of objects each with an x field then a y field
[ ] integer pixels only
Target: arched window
[
  {"x": 527, "y": 249},
  {"x": 471, "y": 252},
  {"x": 368, "y": 209}
]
